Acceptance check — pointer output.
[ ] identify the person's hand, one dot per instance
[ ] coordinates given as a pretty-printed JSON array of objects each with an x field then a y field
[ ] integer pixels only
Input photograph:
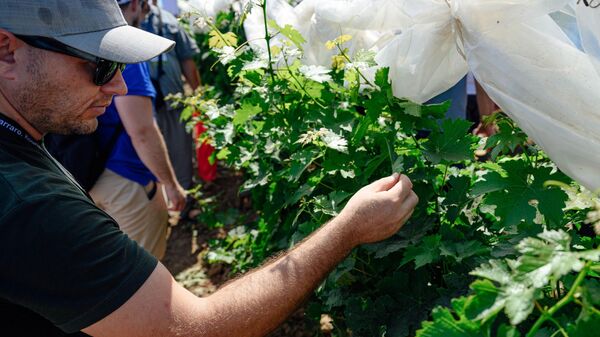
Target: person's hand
[
  {"x": 485, "y": 130},
  {"x": 175, "y": 196},
  {"x": 378, "y": 210}
]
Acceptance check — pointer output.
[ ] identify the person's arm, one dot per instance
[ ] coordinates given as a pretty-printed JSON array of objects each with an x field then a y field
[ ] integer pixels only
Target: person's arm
[
  {"x": 190, "y": 72},
  {"x": 185, "y": 49},
  {"x": 136, "y": 115},
  {"x": 486, "y": 107},
  {"x": 256, "y": 303}
]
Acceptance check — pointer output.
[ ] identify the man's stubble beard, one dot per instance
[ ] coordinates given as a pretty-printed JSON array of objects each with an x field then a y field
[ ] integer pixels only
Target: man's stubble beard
[{"x": 44, "y": 105}]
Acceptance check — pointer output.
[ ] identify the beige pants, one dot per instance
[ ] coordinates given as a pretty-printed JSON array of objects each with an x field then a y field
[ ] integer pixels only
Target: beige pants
[{"x": 143, "y": 220}]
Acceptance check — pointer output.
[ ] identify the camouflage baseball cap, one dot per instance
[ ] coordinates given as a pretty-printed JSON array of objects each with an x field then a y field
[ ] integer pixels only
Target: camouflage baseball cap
[{"x": 96, "y": 27}]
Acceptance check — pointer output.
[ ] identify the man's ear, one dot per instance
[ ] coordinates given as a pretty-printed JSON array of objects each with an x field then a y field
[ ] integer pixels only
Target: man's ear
[{"x": 8, "y": 45}]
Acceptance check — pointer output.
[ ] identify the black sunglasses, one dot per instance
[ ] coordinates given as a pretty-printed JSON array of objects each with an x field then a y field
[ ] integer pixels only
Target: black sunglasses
[{"x": 105, "y": 69}]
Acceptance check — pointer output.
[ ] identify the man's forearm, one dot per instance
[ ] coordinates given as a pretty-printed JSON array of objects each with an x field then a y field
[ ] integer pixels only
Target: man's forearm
[
  {"x": 190, "y": 72},
  {"x": 279, "y": 287},
  {"x": 150, "y": 147}
]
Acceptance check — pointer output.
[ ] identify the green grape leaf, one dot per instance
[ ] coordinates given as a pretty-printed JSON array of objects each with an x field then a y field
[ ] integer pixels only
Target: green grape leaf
[
  {"x": 542, "y": 259},
  {"x": 330, "y": 204},
  {"x": 506, "y": 140},
  {"x": 445, "y": 323},
  {"x": 462, "y": 250},
  {"x": 591, "y": 293},
  {"x": 523, "y": 185},
  {"x": 507, "y": 331},
  {"x": 453, "y": 143},
  {"x": 518, "y": 302},
  {"x": 478, "y": 305},
  {"x": 491, "y": 182},
  {"x": 549, "y": 257},
  {"x": 245, "y": 113},
  {"x": 335, "y": 298},
  {"x": 290, "y": 32},
  {"x": 495, "y": 271},
  {"x": 223, "y": 153},
  {"x": 385, "y": 248},
  {"x": 300, "y": 162},
  {"x": 585, "y": 326},
  {"x": 457, "y": 197},
  {"x": 513, "y": 212},
  {"x": 382, "y": 79},
  {"x": 426, "y": 252},
  {"x": 303, "y": 191},
  {"x": 361, "y": 129}
]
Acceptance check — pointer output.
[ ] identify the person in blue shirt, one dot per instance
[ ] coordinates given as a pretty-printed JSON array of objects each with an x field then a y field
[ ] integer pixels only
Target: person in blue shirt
[{"x": 131, "y": 187}]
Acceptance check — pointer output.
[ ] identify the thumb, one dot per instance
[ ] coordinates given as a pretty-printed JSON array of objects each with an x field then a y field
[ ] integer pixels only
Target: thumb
[{"x": 385, "y": 184}]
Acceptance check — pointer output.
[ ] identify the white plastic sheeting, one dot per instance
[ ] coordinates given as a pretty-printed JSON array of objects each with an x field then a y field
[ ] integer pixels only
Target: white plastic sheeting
[
  {"x": 208, "y": 8},
  {"x": 522, "y": 56},
  {"x": 321, "y": 21},
  {"x": 589, "y": 26},
  {"x": 201, "y": 11}
]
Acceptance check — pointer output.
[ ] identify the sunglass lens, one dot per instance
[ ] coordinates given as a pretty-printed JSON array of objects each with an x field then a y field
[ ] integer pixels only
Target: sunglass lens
[{"x": 106, "y": 70}]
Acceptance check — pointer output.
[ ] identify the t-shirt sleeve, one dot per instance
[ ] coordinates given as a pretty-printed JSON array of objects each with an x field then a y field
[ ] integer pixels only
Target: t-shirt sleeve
[
  {"x": 185, "y": 46},
  {"x": 67, "y": 260},
  {"x": 137, "y": 78}
]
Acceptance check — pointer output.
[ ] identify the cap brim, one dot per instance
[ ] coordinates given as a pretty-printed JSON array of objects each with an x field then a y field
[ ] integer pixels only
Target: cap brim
[{"x": 124, "y": 44}]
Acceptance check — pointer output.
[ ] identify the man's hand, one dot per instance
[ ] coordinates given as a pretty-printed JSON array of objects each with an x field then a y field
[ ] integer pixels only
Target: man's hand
[
  {"x": 175, "y": 196},
  {"x": 379, "y": 210}
]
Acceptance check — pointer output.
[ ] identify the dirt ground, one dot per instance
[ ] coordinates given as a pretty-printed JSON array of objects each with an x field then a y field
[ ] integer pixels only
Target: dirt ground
[{"x": 188, "y": 243}]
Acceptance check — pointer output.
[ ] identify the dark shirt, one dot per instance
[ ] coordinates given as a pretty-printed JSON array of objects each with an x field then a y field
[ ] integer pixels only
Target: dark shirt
[{"x": 64, "y": 263}]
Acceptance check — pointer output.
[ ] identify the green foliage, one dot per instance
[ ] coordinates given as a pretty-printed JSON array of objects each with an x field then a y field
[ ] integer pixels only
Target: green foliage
[
  {"x": 516, "y": 287},
  {"x": 451, "y": 144},
  {"x": 523, "y": 184},
  {"x": 306, "y": 141}
]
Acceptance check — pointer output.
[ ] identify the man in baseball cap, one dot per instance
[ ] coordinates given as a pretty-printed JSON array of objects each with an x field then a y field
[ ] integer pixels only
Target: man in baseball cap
[{"x": 66, "y": 266}]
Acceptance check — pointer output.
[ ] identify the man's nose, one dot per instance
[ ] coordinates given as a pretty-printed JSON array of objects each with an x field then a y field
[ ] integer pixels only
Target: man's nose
[{"x": 116, "y": 86}]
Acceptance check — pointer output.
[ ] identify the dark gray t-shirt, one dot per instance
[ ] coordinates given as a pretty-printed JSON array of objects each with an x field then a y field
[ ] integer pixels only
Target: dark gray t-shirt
[
  {"x": 185, "y": 48},
  {"x": 64, "y": 263}
]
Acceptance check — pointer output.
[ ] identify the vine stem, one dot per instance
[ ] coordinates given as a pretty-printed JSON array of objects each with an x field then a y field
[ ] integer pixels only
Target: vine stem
[
  {"x": 594, "y": 310},
  {"x": 357, "y": 70},
  {"x": 444, "y": 179},
  {"x": 302, "y": 86},
  {"x": 268, "y": 40},
  {"x": 560, "y": 328},
  {"x": 270, "y": 56},
  {"x": 547, "y": 315},
  {"x": 390, "y": 155}
]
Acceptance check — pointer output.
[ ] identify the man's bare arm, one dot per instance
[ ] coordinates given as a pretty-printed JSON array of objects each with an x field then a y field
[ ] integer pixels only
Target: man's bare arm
[
  {"x": 191, "y": 73},
  {"x": 256, "y": 303},
  {"x": 137, "y": 118}
]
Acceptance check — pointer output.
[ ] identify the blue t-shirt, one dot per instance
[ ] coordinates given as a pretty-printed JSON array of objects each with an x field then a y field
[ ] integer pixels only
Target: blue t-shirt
[
  {"x": 458, "y": 100},
  {"x": 123, "y": 159}
]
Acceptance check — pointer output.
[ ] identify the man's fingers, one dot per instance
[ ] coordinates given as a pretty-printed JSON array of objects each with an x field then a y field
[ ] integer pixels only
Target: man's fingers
[
  {"x": 408, "y": 206},
  {"x": 384, "y": 184},
  {"x": 402, "y": 188}
]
